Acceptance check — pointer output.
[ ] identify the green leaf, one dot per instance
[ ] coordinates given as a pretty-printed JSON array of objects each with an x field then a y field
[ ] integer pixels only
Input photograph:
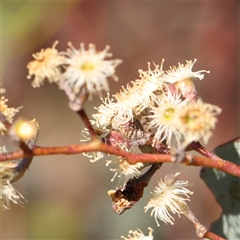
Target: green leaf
[{"x": 226, "y": 189}]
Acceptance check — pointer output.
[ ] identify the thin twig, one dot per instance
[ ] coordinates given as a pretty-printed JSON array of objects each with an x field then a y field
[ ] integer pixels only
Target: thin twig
[
  {"x": 198, "y": 147},
  {"x": 213, "y": 236},
  {"x": 87, "y": 123},
  {"x": 201, "y": 230}
]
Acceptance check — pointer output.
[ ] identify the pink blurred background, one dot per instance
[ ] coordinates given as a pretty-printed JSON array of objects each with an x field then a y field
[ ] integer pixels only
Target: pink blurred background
[{"x": 67, "y": 195}]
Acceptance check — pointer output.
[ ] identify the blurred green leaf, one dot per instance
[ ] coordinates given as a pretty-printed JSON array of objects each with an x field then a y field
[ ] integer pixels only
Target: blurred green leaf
[{"x": 226, "y": 189}]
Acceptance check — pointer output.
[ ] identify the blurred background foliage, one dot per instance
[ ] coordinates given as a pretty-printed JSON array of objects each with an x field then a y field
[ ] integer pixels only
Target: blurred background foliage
[{"x": 67, "y": 194}]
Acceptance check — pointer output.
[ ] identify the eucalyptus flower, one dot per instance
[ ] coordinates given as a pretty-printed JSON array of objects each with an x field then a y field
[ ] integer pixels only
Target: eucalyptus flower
[
  {"x": 198, "y": 119},
  {"x": 47, "y": 65},
  {"x": 169, "y": 196},
  {"x": 88, "y": 69}
]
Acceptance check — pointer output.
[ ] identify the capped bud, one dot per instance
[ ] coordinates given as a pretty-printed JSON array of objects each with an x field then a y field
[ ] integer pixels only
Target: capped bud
[{"x": 23, "y": 130}]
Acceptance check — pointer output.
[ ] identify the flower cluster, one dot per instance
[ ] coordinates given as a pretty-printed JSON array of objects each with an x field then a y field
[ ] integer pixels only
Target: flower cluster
[
  {"x": 151, "y": 114},
  {"x": 75, "y": 71},
  {"x": 162, "y": 103},
  {"x": 159, "y": 108}
]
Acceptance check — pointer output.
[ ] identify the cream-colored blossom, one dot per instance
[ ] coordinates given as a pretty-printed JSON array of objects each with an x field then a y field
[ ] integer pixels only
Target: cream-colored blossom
[
  {"x": 115, "y": 116},
  {"x": 102, "y": 132},
  {"x": 93, "y": 156},
  {"x": 88, "y": 69},
  {"x": 132, "y": 100},
  {"x": 128, "y": 100},
  {"x": 169, "y": 196},
  {"x": 8, "y": 113},
  {"x": 138, "y": 235},
  {"x": 7, "y": 192},
  {"x": 198, "y": 119},
  {"x": 106, "y": 112},
  {"x": 182, "y": 72},
  {"x": 46, "y": 65},
  {"x": 165, "y": 117},
  {"x": 123, "y": 167},
  {"x": 149, "y": 86}
]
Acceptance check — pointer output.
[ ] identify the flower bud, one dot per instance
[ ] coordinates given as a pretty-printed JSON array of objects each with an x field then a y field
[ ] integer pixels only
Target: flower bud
[{"x": 23, "y": 130}]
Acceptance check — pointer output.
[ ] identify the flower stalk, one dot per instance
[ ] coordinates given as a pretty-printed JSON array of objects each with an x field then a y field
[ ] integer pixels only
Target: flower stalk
[
  {"x": 87, "y": 123},
  {"x": 201, "y": 231}
]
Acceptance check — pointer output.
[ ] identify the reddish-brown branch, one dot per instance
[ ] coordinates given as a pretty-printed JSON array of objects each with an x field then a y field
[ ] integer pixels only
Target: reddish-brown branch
[
  {"x": 132, "y": 158},
  {"x": 213, "y": 236},
  {"x": 220, "y": 164}
]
